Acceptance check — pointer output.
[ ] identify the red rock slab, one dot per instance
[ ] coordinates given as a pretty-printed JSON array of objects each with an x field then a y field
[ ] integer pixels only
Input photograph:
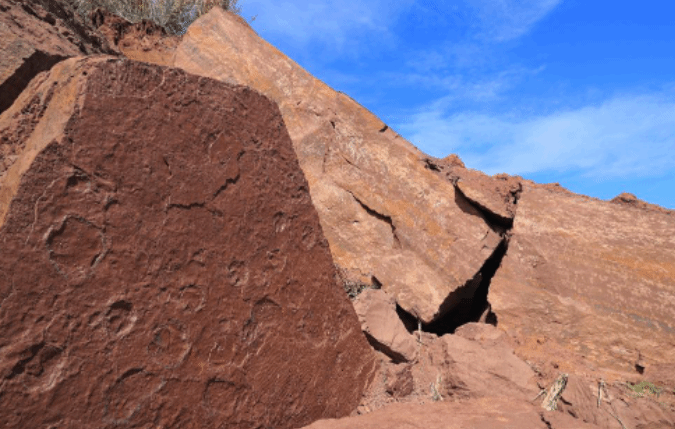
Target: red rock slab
[
  {"x": 482, "y": 413},
  {"x": 588, "y": 283},
  {"x": 35, "y": 35},
  {"x": 162, "y": 264},
  {"x": 389, "y": 220}
]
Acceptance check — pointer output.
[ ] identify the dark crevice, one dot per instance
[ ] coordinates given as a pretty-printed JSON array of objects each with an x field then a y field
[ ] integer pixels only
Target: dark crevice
[
  {"x": 472, "y": 207},
  {"x": 383, "y": 218},
  {"x": 394, "y": 356},
  {"x": 228, "y": 182},
  {"x": 409, "y": 321},
  {"x": 431, "y": 165},
  {"x": 384, "y": 128},
  {"x": 546, "y": 422},
  {"x": 186, "y": 206},
  {"x": 467, "y": 304},
  {"x": 11, "y": 88}
]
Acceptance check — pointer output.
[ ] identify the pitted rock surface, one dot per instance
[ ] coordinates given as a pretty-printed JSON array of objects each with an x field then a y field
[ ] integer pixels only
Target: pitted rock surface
[
  {"x": 388, "y": 219},
  {"x": 162, "y": 264},
  {"x": 588, "y": 283},
  {"x": 35, "y": 35}
]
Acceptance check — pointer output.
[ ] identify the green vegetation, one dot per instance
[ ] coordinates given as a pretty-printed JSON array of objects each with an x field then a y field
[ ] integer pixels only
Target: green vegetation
[
  {"x": 174, "y": 15},
  {"x": 644, "y": 388}
]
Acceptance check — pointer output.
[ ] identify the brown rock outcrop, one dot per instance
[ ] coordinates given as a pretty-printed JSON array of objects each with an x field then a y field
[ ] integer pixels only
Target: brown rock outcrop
[
  {"x": 588, "y": 284},
  {"x": 631, "y": 200},
  {"x": 482, "y": 413},
  {"x": 388, "y": 219},
  {"x": 164, "y": 268},
  {"x": 35, "y": 35}
]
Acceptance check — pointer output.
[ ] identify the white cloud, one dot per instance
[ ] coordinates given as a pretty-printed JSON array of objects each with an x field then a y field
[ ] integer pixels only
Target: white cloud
[
  {"x": 627, "y": 135},
  {"x": 502, "y": 20}
]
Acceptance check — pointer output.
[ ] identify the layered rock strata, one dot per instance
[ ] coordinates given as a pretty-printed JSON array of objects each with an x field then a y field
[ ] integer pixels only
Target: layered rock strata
[{"x": 162, "y": 264}]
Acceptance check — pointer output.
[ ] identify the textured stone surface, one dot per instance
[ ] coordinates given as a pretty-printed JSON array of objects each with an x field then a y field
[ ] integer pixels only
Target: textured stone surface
[
  {"x": 35, "y": 35},
  {"x": 376, "y": 311},
  {"x": 588, "y": 283},
  {"x": 389, "y": 219},
  {"x": 483, "y": 413},
  {"x": 162, "y": 264}
]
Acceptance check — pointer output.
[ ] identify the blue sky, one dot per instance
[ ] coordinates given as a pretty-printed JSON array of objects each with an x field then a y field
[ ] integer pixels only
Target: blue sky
[{"x": 576, "y": 92}]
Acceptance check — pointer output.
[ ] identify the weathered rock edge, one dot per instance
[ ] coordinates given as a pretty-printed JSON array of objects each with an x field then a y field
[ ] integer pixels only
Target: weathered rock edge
[{"x": 161, "y": 260}]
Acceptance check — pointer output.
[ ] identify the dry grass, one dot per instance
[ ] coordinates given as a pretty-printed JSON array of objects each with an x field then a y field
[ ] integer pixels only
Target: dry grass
[{"x": 174, "y": 15}]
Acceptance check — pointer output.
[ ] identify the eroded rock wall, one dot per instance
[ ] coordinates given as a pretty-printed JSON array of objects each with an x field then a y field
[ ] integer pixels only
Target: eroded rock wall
[{"x": 162, "y": 264}]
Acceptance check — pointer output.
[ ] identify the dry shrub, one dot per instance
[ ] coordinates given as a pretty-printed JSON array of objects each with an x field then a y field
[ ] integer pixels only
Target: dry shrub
[{"x": 174, "y": 15}]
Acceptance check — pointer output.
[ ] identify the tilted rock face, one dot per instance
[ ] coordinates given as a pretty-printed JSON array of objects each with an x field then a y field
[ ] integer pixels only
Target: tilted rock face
[
  {"x": 588, "y": 283},
  {"x": 388, "y": 219},
  {"x": 35, "y": 35},
  {"x": 162, "y": 264}
]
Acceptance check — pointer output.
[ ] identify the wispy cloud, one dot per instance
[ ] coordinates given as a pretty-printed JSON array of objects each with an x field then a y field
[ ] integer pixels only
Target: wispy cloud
[
  {"x": 625, "y": 135},
  {"x": 502, "y": 20},
  {"x": 468, "y": 87},
  {"x": 329, "y": 22}
]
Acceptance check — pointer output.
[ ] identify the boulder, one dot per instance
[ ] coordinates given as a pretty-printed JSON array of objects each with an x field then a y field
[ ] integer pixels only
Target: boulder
[
  {"x": 379, "y": 321},
  {"x": 482, "y": 366},
  {"x": 588, "y": 284},
  {"x": 389, "y": 220},
  {"x": 35, "y": 35},
  {"x": 162, "y": 264}
]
